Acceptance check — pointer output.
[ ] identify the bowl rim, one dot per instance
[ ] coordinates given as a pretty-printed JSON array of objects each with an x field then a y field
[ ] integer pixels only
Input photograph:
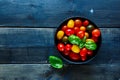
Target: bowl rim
[{"x": 77, "y": 62}]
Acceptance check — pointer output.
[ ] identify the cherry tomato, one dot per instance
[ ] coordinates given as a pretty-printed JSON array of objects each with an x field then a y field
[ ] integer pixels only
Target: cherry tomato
[
  {"x": 85, "y": 23},
  {"x": 83, "y": 58},
  {"x": 95, "y": 39},
  {"x": 64, "y": 27},
  {"x": 83, "y": 28},
  {"x": 96, "y": 33},
  {"x": 75, "y": 48},
  {"x": 83, "y": 52},
  {"x": 74, "y": 56},
  {"x": 81, "y": 34},
  {"x": 90, "y": 27},
  {"x": 66, "y": 53},
  {"x": 60, "y": 34},
  {"x": 60, "y": 47},
  {"x": 69, "y": 32},
  {"x": 68, "y": 47},
  {"x": 90, "y": 40},
  {"x": 78, "y": 23},
  {"x": 70, "y": 23},
  {"x": 65, "y": 39},
  {"x": 86, "y": 34},
  {"x": 90, "y": 52},
  {"x": 76, "y": 30}
]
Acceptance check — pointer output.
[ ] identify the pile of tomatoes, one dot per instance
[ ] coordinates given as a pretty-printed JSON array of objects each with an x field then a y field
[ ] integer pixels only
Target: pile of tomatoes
[{"x": 83, "y": 33}]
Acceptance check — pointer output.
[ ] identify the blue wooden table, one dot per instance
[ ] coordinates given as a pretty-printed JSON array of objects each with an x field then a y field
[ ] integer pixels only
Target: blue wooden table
[{"x": 27, "y": 29}]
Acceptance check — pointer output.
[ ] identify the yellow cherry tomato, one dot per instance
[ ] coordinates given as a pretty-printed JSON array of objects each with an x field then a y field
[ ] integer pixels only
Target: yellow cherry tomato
[
  {"x": 70, "y": 23},
  {"x": 83, "y": 28},
  {"x": 75, "y": 49},
  {"x": 90, "y": 40},
  {"x": 86, "y": 34},
  {"x": 60, "y": 34}
]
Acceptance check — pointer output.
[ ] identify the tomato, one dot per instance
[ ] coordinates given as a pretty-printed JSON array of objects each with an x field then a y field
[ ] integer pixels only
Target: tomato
[
  {"x": 83, "y": 52},
  {"x": 60, "y": 34},
  {"x": 83, "y": 28},
  {"x": 65, "y": 39},
  {"x": 90, "y": 52},
  {"x": 68, "y": 47},
  {"x": 70, "y": 23},
  {"x": 96, "y": 33},
  {"x": 74, "y": 56},
  {"x": 90, "y": 40},
  {"x": 66, "y": 53},
  {"x": 83, "y": 58},
  {"x": 76, "y": 30},
  {"x": 60, "y": 47},
  {"x": 64, "y": 27},
  {"x": 90, "y": 27},
  {"x": 78, "y": 23},
  {"x": 85, "y": 23},
  {"x": 81, "y": 34},
  {"x": 95, "y": 39},
  {"x": 75, "y": 49},
  {"x": 69, "y": 32},
  {"x": 87, "y": 35}
]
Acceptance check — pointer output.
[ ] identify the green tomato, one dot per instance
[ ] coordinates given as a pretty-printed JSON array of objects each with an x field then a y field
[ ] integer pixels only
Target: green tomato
[{"x": 91, "y": 45}]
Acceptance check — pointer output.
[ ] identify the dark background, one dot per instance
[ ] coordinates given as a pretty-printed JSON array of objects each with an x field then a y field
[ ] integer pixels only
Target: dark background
[{"x": 27, "y": 29}]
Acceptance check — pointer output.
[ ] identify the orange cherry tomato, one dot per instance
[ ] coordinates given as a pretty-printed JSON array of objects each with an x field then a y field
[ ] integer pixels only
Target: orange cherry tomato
[
  {"x": 64, "y": 27},
  {"x": 96, "y": 33},
  {"x": 83, "y": 28},
  {"x": 78, "y": 23},
  {"x": 87, "y": 35}
]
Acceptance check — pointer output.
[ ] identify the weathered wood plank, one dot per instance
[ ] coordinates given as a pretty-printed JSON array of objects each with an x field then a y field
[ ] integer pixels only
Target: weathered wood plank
[
  {"x": 69, "y": 72},
  {"x": 34, "y": 45},
  {"x": 47, "y": 13}
]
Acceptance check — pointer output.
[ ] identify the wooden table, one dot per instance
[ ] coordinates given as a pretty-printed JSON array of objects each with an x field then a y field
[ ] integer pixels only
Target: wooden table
[{"x": 27, "y": 29}]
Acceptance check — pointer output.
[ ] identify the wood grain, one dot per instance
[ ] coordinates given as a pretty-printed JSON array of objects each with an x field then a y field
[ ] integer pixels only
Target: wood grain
[
  {"x": 34, "y": 45},
  {"x": 69, "y": 72},
  {"x": 47, "y": 13}
]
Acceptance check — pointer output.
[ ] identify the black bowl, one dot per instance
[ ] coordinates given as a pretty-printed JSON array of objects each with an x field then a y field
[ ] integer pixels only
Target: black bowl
[{"x": 67, "y": 58}]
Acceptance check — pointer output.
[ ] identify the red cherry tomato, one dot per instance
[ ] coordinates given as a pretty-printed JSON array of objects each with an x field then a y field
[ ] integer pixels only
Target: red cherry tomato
[
  {"x": 83, "y": 58},
  {"x": 95, "y": 39},
  {"x": 74, "y": 56},
  {"x": 96, "y": 33},
  {"x": 78, "y": 23},
  {"x": 68, "y": 47},
  {"x": 83, "y": 52},
  {"x": 69, "y": 32},
  {"x": 76, "y": 30},
  {"x": 85, "y": 23},
  {"x": 64, "y": 27},
  {"x": 81, "y": 34},
  {"x": 66, "y": 53},
  {"x": 60, "y": 47},
  {"x": 90, "y": 52}
]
